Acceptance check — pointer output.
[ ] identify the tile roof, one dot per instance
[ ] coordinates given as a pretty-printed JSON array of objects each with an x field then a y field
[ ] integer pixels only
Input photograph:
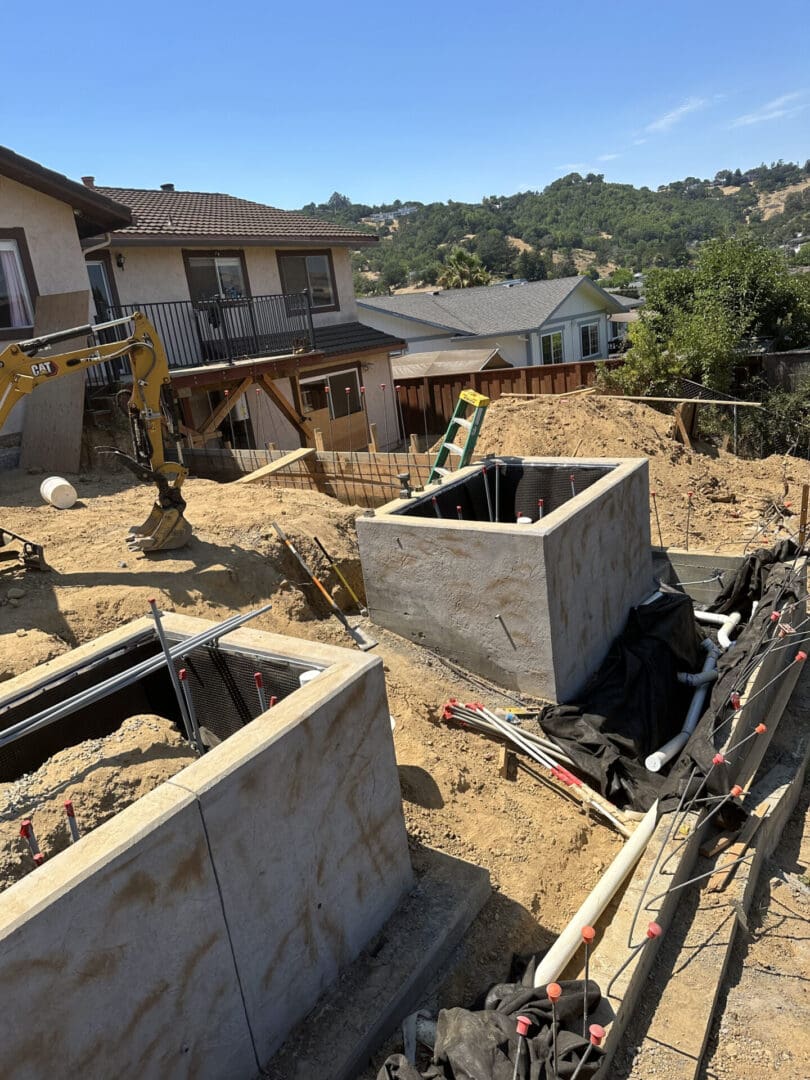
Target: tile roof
[
  {"x": 353, "y": 337},
  {"x": 206, "y": 215},
  {"x": 487, "y": 309}
]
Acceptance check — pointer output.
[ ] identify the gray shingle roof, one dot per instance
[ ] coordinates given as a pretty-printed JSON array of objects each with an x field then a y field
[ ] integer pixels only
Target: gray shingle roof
[
  {"x": 206, "y": 214},
  {"x": 487, "y": 309},
  {"x": 418, "y": 365}
]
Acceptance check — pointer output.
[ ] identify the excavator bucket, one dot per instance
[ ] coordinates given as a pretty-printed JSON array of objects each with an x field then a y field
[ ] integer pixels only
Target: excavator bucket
[{"x": 163, "y": 530}]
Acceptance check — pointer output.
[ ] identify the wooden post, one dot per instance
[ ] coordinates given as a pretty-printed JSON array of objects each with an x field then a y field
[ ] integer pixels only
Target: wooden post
[
  {"x": 507, "y": 764},
  {"x": 374, "y": 447},
  {"x": 414, "y": 445},
  {"x": 803, "y": 515},
  {"x": 317, "y": 435}
]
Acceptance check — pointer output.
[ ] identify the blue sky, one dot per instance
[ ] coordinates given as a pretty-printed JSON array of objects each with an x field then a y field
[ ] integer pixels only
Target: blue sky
[{"x": 428, "y": 101}]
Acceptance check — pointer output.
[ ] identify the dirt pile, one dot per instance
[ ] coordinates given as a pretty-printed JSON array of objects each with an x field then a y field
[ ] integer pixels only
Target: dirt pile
[
  {"x": 100, "y": 776},
  {"x": 732, "y": 498}
]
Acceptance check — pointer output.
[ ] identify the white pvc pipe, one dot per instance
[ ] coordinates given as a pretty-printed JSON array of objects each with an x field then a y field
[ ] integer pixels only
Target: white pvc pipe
[
  {"x": 563, "y": 949},
  {"x": 727, "y": 623},
  {"x": 655, "y": 762}
]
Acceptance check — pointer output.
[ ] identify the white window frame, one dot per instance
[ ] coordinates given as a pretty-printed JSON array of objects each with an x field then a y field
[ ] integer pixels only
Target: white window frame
[
  {"x": 552, "y": 334},
  {"x": 588, "y": 326},
  {"x": 325, "y": 378},
  {"x": 13, "y": 247}
]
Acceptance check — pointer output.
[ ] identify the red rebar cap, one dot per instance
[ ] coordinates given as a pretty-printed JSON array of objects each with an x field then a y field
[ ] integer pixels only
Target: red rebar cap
[
  {"x": 554, "y": 992},
  {"x": 588, "y": 934},
  {"x": 362, "y": 389},
  {"x": 800, "y": 656},
  {"x": 25, "y": 829},
  {"x": 652, "y": 493},
  {"x": 258, "y": 680},
  {"x": 775, "y": 615},
  {"x": 690, "y": 494},
  {"x": 39, "y": 858},
  {"x": 736, "y": 791},
  {"x": 382, "y": 385},
  {"x": 69, "y": 809},
  {"x": 654, "y": 930},
  {"x": 718, "y": 759},
  {"x": 182, "y": 674},
  {"x": 523, "y": 1025},
  {"x": 760, "y": 729},
  {"x": 735, "y": 700},
  {"x": 597, "y": 1033}
]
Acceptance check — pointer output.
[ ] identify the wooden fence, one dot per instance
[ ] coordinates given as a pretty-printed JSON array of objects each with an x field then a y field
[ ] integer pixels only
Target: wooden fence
[{"x": 428, "y": 403}]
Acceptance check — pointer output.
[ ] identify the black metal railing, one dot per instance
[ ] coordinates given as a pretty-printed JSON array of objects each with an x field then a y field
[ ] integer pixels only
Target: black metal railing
[{"x": 218, "y": 330}]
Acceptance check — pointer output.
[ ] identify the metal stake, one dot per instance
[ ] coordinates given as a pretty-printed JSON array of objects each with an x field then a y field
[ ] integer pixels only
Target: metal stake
[
  {"x": 486, "y": 490},
  {"x": 259, "y": 681},
  {"x": 197, "y": 742},
  {"x": 688, "y": 515},
  {"x": 653, "y": 931},
  {"x": 497, "y": 490},
  {"x": 435, "y": 502},
  {"x": 657, "y": 519},
  {"x": 181, "y": 701},
  {"x": 573, "y": 488},
  {"x": 588, "y": 934},
  {"x": 554, "y": 992},
  {"x": 523, "y": 1024},
  {"x": 71, "y": 816},
  {"x": 597, "y": 1033},
  {"x": 460, "y": 513},
  {"x": 539, "y": 509}
]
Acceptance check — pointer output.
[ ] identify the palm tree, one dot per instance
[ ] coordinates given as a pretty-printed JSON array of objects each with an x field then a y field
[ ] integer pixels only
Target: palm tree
[{"x": 462, "y": 270}]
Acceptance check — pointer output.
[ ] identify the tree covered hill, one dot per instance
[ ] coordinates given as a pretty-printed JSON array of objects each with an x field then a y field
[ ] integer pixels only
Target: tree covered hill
[{"x": 576, "y": 224}]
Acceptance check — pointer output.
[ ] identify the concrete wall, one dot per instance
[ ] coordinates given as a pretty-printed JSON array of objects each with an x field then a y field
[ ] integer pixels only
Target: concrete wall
[
  {"x": 562, "y": 586},
  {"x": 53, "y": 244},
  {"x": 157, "y": 273},
  {"x": 186, "y": 936}
]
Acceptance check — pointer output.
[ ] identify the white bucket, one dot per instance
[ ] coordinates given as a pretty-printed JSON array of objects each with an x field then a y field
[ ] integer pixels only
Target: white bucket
[
  {"x": 58, "y": 492},
  {"x": 307, "y": 677},
  {"x": 524, "y": 520}
]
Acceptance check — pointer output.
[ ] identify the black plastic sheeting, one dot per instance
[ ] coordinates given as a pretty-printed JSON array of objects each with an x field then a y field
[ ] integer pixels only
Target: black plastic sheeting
[
  {"x": 634, "y": 703},
  {"x": 483, "y": 1045}
]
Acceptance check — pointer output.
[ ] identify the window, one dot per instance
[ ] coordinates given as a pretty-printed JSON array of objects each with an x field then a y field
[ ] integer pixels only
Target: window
[
  {"x": 15, "y": 296},
  {"x": 552, "y": 347},
  {"x": 214, "y": 277},
  {"x": 342, "y": 398},
  {"x": 100, "y": 288},
  {"x": 589, "y": 336},
  {"x": 312, "y": 272}
]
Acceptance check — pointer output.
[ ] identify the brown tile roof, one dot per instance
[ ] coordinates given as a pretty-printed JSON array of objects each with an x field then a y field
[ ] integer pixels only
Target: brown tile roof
[{"x": 208, "y": 215}]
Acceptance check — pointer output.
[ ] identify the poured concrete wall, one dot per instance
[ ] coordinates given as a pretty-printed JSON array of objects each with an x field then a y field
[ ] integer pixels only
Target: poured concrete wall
[
  {"x": 562, "y": 587},
  {"x": 188, "y": 934}
]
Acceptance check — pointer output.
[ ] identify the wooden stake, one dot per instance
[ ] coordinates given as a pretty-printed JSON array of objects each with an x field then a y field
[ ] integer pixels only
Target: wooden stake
[
  {"x": 375, "y": 447},
  {"x": 507, "y": 764},
  {"x": 803, "y": 515}
]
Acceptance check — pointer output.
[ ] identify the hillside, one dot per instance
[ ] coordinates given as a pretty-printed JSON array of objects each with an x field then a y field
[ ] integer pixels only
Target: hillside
[{"x": 576, "y": 224}]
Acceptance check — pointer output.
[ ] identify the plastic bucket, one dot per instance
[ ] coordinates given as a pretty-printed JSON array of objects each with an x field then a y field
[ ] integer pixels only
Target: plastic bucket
[
  {"x": 307, "y": 677},
  {"x": 58, "y": 492}
]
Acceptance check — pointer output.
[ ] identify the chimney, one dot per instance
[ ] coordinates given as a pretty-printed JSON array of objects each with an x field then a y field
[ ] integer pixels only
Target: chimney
[
  {"x": 89, "y": 181},
  {"x": 167, "y": 187}
]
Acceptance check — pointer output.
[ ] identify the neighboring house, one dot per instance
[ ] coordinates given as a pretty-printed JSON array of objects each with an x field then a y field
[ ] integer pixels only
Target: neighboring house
[
  {"x": 257, "y": 312},
  {"x": 420, "y": 365},
  {"x": 43, "y": 218},
  {"x": 536, "y": 322}
]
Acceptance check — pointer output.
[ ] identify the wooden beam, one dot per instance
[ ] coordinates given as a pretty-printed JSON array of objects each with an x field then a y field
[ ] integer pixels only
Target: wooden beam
[
  {"x": 224, "y": 407},
  {"x": 642, "y": 398},
  {"x": 275, "y": 466},
  {"x": 284, "y": 407}
]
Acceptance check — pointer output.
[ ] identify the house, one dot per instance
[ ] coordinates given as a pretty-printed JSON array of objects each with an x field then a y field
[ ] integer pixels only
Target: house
[
  {"x": 421, "y": 365},
  {"x": 535, "y": 322},
  {"x": 257, "y": 312},
  {"x": 44, "y": 216}
]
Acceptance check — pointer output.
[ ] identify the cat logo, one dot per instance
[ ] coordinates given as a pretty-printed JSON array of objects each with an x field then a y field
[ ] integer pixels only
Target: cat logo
[{"x": 45, "y": 367}]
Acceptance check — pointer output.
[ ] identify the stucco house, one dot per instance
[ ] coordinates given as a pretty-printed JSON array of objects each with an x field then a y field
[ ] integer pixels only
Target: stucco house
[
  {"x": 43, "y": 218},
  {"x": 534, "y": 322},
  {"x": 256, "y": 309}
]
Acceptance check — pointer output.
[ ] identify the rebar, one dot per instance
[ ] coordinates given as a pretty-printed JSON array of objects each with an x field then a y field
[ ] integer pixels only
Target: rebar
[
  {"x": 175, "y": 681},
  {"x": 124, "y": 679}
]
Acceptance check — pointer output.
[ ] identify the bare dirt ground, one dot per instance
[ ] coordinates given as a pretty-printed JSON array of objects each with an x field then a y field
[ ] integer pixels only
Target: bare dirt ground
[
  {"x": 729, "y": 494},
  {"x": 543, "y": 855}
]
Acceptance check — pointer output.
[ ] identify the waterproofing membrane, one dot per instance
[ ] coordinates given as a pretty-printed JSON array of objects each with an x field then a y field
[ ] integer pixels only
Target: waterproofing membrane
[
  {"x": 483, "y": 1045},
  {"x": 634, "y": 703}
]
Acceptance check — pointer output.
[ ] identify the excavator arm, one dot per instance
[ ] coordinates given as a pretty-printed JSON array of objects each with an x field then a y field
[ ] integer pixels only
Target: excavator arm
[{"x": 25, "y": 365}]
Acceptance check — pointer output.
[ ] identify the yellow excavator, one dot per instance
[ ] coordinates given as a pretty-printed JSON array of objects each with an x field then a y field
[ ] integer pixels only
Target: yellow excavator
[{"x": 25, "y": 365}]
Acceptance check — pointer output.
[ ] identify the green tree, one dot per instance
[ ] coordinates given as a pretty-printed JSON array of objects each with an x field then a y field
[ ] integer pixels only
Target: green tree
[
  {"x": 531, "y": 265},
  {"x": 495, "y": 252},
  {"x": 462, "y": 270},
  {"x": 802, "y": 256}
]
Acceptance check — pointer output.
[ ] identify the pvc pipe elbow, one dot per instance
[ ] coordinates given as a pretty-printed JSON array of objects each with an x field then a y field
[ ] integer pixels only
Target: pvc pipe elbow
[{"x": 723, "y": 639}]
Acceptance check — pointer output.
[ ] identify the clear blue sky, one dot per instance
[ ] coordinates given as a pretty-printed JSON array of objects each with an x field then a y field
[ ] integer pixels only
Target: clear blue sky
[{"x": 285, "y": 103}]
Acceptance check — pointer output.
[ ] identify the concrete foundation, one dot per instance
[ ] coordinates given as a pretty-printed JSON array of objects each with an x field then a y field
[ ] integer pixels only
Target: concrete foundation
[
  {"x": 189, "y": 934},
  {"x": 532, "y": 606}
]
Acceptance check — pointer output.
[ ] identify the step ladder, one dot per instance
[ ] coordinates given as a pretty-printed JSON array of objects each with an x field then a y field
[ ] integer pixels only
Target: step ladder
[{"x": 468, "y": 399}]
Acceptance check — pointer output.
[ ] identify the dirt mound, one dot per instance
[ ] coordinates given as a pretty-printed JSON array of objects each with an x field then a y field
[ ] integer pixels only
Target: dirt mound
[
  {"x": 24, "y": 649},
  {"x": 100, "y": 776},
  {"x": 732, "y": 499}
]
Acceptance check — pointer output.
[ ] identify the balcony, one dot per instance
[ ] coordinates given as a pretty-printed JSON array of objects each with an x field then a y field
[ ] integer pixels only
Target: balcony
[{"x": 196, "y": 333}]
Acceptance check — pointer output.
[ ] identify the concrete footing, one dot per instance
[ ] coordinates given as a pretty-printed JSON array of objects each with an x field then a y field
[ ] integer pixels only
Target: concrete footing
[{"x": 190, "y": 933}]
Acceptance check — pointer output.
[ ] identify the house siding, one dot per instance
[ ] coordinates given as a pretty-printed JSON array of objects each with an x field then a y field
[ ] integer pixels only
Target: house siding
[{"x": 53, "y": 244}]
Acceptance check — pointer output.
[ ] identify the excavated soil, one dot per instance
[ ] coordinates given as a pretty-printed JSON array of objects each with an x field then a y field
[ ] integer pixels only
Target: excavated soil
[
  {"x": 732, "y": 498},
  {"x": 100, "y": 776}
]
